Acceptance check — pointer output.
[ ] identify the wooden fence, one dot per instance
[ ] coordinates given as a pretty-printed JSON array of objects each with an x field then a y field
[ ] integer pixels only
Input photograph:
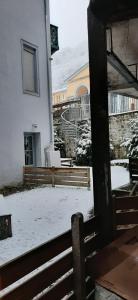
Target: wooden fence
[
  {"x": 65, "y": 275},
  {"x": 64, "y": 266},
  {"x": 125, "y": 213},
  {"x": 79, "y": 177}
]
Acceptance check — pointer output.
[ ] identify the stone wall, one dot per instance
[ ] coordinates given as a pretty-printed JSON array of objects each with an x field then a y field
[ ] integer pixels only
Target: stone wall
[{"x": 119, "y": 130}]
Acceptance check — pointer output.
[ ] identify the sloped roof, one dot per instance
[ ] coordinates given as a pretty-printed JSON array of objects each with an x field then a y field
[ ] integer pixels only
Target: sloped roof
[{"x": 77, "y": 72}]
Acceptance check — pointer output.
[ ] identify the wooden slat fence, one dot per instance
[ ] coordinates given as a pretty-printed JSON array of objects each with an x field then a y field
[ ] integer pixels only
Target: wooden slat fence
[
  {"x": 55, "y": 272},
  {"x": 79, "y": 177},
  {"x": 125, "y": 213}
]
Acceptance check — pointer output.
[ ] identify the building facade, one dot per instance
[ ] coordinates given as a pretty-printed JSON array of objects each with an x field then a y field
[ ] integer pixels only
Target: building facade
[
  {"x": 25, "y": 87},
  {"x": 60, "y": 96},
  {"x": 78, "y": 85}
]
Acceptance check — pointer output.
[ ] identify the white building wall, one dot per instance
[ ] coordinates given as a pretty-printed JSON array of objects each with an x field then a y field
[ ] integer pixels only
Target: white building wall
[{"x": 21, "y": 19}]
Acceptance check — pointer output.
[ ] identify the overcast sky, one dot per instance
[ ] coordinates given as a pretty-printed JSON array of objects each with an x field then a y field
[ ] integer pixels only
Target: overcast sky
[{"x": 71, "y": 18}]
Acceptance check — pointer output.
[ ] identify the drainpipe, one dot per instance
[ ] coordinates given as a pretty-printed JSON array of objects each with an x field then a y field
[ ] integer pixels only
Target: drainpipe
[{"x": 49, "y": 75}]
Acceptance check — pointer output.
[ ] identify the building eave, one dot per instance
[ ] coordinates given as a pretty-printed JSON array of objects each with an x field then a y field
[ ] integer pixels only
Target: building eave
[{"x": 76, "y": 72}]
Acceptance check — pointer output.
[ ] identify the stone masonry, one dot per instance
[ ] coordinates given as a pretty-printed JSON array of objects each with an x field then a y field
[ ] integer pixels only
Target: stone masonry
[{"x": 119, "y": 130}]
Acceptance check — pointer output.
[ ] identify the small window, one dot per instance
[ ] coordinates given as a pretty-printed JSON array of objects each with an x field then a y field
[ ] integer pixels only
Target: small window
[{"x": 30, "y": 69}]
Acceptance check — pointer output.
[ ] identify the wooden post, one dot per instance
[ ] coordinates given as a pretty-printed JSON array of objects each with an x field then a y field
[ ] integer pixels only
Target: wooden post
[
  {"x": 130, "y": 170},
  {"x": 53, "y": 176},
  {"x": 114, "y": 215},
  {"x": 89, "y": 178},
  {"x": 78, "y": 256},
  {"x": 100, "y": 123},
  {"x": 24, "y": 176}
]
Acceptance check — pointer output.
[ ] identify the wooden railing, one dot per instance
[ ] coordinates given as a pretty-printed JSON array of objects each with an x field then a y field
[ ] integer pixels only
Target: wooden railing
[
  {"x": 55, "y": 273},
  {"x": 79, "y": 177},
  {"x": 125, "y": 213},
  {"x": 133, "y": 169}
]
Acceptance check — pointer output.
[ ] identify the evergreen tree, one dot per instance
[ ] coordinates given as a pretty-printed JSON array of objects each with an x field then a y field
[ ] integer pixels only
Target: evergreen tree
[
  {"x": 59, "y": 144},
  {"x": 84, "y": 145}
]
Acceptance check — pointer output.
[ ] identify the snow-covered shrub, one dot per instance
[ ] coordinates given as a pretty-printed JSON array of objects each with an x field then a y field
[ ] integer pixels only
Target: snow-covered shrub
[
  {"x": 59, "y": 144},
  {"x": 84, "y": 146},
  {"x": 131, "y": 144}
]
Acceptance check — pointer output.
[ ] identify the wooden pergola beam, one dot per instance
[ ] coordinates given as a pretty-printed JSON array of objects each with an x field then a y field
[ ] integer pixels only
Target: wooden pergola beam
[
  {"x": 100, "y": 15},
  {"x": 100, "y": 123}
]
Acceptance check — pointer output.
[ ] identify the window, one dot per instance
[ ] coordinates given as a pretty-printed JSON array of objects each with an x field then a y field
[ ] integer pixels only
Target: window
[
  {"x": 30, "y": 68},
  {"x": 81, "y": 91}
]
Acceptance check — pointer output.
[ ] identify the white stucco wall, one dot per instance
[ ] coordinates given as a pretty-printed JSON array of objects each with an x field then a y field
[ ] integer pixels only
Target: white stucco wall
[{"x": 21, "y": 19}]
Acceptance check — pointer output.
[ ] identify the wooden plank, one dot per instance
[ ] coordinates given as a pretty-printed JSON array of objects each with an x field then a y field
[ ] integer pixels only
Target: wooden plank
[
  {"x": 92, "y": 244},
  {"x": 28, "y": 170},
  {"x": 90, "y": 287},
  {"x": 78, "y": 184},
  {"x": 73, "y": 174},
  {"x": 36, "y": 181},
  {"x": 89, "y": 177},
  {"x": 126, "y": 203},
  {"x": 62, "y": 288},
  {"x": 119, "y": 193},
  {"x": 78, "y": 256},
  {"x": 134, "y": 188},
  {"x": 134, "y": 178},
  {"x": 70, "y": 296},
  {"x": 71, "y": 170},
  {"x": 37, "y": 283},
  {"x": 45, "y": 171},
  {"x": 92, "y": 225},
  {"x": 71, "y": 178},
  {"x": 28, "y": 262},
  {"x": 61, "y": 182},
  {"x": 127, "y": 218},
  {"x": 38, "y": 177}
]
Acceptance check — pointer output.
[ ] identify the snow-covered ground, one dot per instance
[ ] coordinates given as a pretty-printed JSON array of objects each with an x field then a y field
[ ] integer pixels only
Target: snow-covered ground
[
  {"x": 41, "y": 214},
  {"x": 119, "y": 176}
]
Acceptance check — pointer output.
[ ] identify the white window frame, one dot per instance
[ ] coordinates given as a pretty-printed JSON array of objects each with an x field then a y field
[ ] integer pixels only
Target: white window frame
[{"x": 31, "y": 48}]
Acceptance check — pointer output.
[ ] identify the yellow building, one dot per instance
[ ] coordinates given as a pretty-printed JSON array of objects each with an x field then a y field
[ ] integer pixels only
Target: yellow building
[
  {"x": 59, "y": 96},
  {"x": 78, "y": 84}
]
